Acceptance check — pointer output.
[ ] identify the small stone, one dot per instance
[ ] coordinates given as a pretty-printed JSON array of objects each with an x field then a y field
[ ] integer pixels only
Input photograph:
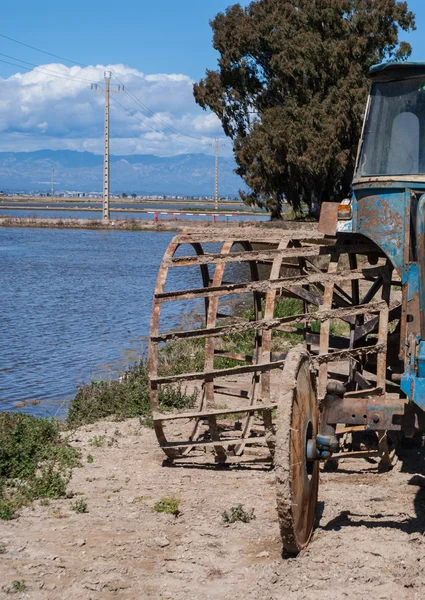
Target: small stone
[
  {"x": 263, "y": 554},
  {"x": 79, "y": 542},
  {"x": 161, "y": 542}
]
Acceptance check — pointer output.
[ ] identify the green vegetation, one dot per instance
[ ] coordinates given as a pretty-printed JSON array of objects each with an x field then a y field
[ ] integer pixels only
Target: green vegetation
[
  {"x": 238, "y": 513},
  {"x": 170, "y": 506},
  {"x": 243, "y": 342},
  {"x": 79, "y": 506},
  {"x": 97, "y": 440},
  {"x": 35, "y": 461},
  {"x": 19, "y": 586},
  {"x": 126, "y": 397}
]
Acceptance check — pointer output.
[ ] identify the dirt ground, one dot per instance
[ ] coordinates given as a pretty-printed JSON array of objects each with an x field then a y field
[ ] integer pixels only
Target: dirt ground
[{"x": 368, "y": 540}]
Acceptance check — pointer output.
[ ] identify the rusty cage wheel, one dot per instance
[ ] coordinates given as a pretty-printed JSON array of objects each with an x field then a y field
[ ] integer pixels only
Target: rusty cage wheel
[
  {"x": 333, "y": 294},
  {"x": 297, "y": 479}
]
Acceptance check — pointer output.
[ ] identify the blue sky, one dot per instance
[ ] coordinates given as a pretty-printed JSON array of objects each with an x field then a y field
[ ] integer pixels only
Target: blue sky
[
  {"x": 416, "y": 38},
  {"x": 157, "y": 48},
  {"x": 153, "y": 36}
]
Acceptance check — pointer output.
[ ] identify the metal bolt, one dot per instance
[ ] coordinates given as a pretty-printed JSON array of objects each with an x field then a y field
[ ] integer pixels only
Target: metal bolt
[{"x": 375, "y": 418}]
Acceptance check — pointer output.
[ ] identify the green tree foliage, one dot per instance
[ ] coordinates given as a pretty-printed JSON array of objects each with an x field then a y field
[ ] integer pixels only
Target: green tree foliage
[{"x": 291, "y": 88}]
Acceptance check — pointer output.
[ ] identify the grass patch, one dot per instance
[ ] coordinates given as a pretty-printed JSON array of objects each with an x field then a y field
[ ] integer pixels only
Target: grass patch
[
  {"x": 35, "y": 461},
  {"x": 19, "y": 586},
  {"x": 182, "y": 356},
  {"x": 125, "y": 398},
  {"x": 80, "y": 506},
  {"x": 98, "y": 441},
  {"x": 238, "y": 514},
  {"x": 170, "y": 506}
]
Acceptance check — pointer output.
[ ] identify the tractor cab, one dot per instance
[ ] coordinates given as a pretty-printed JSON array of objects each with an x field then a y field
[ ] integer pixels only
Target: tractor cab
[{"x": 393, "y": 140}]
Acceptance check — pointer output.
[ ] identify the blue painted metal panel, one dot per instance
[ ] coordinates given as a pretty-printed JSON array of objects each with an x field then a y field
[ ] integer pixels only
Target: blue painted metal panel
[
  {"x": 414, "y": 388},
  {"x": 421, "y": 360},
  {"x": 411, "y": 277},
  {"x": 380, "y": 216}
]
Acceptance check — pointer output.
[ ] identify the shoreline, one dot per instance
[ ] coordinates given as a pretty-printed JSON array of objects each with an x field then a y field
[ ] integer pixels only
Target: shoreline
[
  {"x": 140, "y": 225},
  {"x": 113, "y": 225}
]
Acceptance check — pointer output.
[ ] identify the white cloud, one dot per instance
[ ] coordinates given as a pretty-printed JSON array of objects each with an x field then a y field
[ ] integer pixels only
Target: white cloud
[{"x": 54, "y": 107}]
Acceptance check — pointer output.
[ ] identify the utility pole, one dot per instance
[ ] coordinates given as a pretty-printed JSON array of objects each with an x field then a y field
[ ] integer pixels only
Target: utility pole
[
  {"x": 216, "y": 175},
  {"x": 53, "y": 182},
  {"x": 107, "y": 93},
  {"x": 216, "y": 196}
]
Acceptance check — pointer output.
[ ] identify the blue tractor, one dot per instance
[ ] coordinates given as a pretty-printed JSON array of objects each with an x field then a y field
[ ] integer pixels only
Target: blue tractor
[{"x": 311, "y": 346}]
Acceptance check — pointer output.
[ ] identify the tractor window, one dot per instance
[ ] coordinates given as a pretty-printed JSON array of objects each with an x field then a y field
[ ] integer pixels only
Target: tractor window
[
  {"x": 403, "y": 153},
  {"x": 394, "y": 137}
]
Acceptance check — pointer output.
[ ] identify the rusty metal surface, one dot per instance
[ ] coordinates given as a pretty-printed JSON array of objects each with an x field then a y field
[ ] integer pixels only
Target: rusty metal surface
[
  {"x": 377, "y": 414},
  {"x": 270, "y": 284},
  {"x": 328, "y": 218},
  {"x": 307, "y": 267},
  {"x": 262, "y": 255},
  {"x": 297, "y": 479},
  {"x": 337, "y": 313}
]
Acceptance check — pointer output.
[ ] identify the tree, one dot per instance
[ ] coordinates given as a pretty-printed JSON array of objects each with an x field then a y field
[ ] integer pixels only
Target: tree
[
  {"x": 123, "y": 195},
  {"x": 291, "y": 87},
  {"x": 133, "y": 195}
]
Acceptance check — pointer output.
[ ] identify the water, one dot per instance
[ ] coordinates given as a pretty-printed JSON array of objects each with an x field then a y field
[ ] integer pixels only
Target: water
[
  {"x": 224, "y": 216},
  {"x": 75, "y": 306},
  {"x": 135, "y": 205}
]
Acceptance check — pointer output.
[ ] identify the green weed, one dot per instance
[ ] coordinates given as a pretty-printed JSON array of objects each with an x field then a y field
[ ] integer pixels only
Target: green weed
[
  {"x": 7, "y": 510},
  {"x": 168, "y": 505},
  {"x": 35, "y": 461},
  {"x": 238, "y": 513},
  {"x": 125, "y": 398},
  {"x": 19, "y": 586},
  {"x": 98, "y": 440},
  {"x": 90, "y": 459},
  {"x": 80, "y": 506}
]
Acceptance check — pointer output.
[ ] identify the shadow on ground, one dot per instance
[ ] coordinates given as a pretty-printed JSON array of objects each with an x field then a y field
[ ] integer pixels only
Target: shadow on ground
[{"x": 411, "y": 461}]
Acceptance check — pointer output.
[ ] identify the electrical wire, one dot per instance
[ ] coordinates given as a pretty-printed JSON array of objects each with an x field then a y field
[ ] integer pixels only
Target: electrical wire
[
  {"x": 152, "y": 114},
  {"x": 42, "y": 51},
  {"x": 39, "y": 70},
  {"x": 42, "y": 69},
  {"x": 144, "y": 122},
  {"x": 171, "y": 128}
]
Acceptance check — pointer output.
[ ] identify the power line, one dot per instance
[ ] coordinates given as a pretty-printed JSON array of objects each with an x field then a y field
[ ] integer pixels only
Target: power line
[
  {"x": 42, "y": 51},
  {"x": 6, "y": 62},
  {"x": 41, "y": 69},
  {"x": 153, "y": 115},
  {"x": 144, "y": 122},
  {"x": 72, "y": 78},
  {"x": 171, "y": 128}
]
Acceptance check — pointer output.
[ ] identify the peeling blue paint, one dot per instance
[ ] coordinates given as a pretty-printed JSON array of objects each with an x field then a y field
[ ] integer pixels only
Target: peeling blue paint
[
  {"x": 380, "y": 217},
  {"x": 411, "y": 277}
]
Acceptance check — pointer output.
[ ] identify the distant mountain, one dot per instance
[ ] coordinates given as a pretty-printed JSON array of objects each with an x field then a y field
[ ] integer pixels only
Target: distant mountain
[{"x": 190, "y": 174}]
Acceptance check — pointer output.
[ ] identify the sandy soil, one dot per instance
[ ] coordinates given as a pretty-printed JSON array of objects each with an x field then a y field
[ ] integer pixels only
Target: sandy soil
[{"x": 368, "y": 541}]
